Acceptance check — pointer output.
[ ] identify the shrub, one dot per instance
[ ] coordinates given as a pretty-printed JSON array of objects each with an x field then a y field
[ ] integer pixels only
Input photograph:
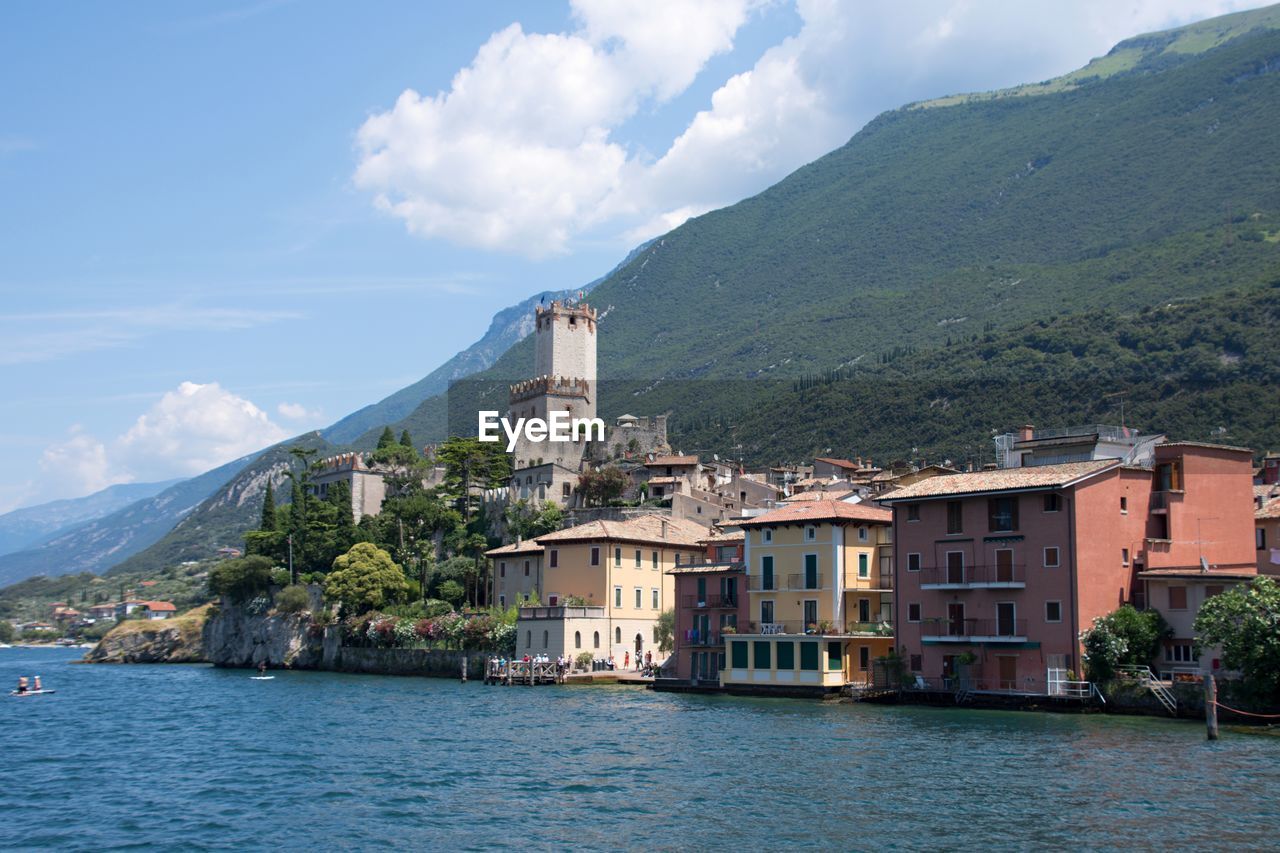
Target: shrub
[
  {"x": 583, "y": 660},
  {"x": 1124, "y": 637},
  {"x": 242, "y": 578},
  {"x": 280, "y": 577},
  {"x": 292, "y": 599}
]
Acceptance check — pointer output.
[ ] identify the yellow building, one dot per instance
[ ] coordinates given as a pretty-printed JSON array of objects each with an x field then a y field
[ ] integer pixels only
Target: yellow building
[
  {"x": 516, "y": 570},
  {"x": 620, "y": 566},
  {"x": 820, "y": 586}
]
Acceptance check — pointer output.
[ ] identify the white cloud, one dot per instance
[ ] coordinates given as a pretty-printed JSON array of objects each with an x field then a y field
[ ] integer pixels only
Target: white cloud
[
  {"x": 190, "y": 430},
  {"x": 297, "y": 412},
  {"x": 521, "y": 154}
]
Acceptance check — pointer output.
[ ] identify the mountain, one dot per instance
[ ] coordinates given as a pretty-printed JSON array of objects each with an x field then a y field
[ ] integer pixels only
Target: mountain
[
  {"x": 221, "y": 519},
  {"x": 1152, "y": 183},
  {"x": 95, "y": 545},
  {"x": 509, "y": 326},
  {"x": 26, "y": 527}
]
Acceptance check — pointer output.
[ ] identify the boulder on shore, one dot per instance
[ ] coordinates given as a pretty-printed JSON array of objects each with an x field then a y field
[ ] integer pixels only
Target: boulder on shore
[{"x": 178, "y": 640}]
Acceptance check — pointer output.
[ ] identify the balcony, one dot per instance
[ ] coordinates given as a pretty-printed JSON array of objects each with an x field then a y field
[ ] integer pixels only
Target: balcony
[
  {"x": 852, "y": 581},
  {"x": 708, "y": 602},
  {"x": 974, "y": 630},
  {"x": 767, "y": 628},
  {"x": 1006, "y": 576},
  {"x": 757, "y": 583},
  {"x": 703, "y": 639},
  {"x": 882, "y": 628},
  {"x": 803, "y": 581}
]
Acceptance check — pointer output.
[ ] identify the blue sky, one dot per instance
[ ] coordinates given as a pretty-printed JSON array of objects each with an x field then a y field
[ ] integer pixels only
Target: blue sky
[{"x": 226, "y": 223}]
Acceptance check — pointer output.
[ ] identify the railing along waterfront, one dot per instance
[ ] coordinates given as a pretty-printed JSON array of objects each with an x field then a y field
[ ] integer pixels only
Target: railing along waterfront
[{"x": 975, "y": 575}]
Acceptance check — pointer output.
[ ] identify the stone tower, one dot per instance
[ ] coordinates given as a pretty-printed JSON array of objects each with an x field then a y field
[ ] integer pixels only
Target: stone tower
[{"x": 564, "y": 380}]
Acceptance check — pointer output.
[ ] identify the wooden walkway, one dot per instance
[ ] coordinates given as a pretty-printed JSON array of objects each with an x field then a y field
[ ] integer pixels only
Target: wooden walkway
[{"x": 512, "y": 672}]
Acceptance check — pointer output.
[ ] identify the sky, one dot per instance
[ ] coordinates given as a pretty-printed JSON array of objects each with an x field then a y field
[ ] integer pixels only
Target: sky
[{"x": 224, "y": 224}]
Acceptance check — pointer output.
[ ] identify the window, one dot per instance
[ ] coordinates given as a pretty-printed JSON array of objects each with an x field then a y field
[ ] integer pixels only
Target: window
[
  {"x": 862, "y": 534},
  {"x": 766, "y": 536},
  {"x": 864, "y": 610},
  {"x": 655, "y": 559},
  {"x": 546, "y": 639},
  {"x": 617, "y": 556},
  {"x": 1124, "y": 505},
  {"x": 1053, "y": 611},
  {"x": 1124, "y": 556},
  {"x": 917, "y": 663},
  {"x": 639, "y": 594},
  {"x": 763, "y": 653},
  {"x": 913, "y": 512},
  {"x": 1006, "y": 619},
  {"x": 595, "y": 556},
  {"x": 638, "y": 558},
  {"x": 955, "y": 567},
  {"x": 955, "y": 523},
  {"x": 1051, "y": 558},
  {"x": 864, "y": 568},
  {"x": 655, "y": 599},
  {"x": 864, "y": 658},
  {"x": 617, "y": 596},
  {"x": 702, "y": 591},
  {"x": 810, "y": 533},
  {"x": 1002, "y": 514},
  {"x": 1179, "y": 653},
  {"x": 809, "y": 656},
  {"x": 677, "y": 558},
  {"x": 913, "y": 562},
  {"x": 526, "y": 568},
  {"x": 1177, "y": 598},
  {"x": 835, "y": 656},
  {"x": 596, "y": 639},
  {"x": 810, "y": 571},
  {"x": 913, "y": 612},
  {"x": 1212, "y": 590},
  {"x": 786, "y": 655},
  {"x": 1052, "y": 503},
  {"x": 565, "y": 490},
  {"x": 766, "y": 573},
  {"x": 502, "y": 602},
  {"x": 1261, "y": 536},
  {"x": 766, "y": 612},
  {"x": 577, "y": 639},
  {"x": 502, "y": 569},
  {"x": 738, "y": 653},
  {"x": 617, "y": 635},
  {"x": 553, "y": 558},
  {"x": 528, "y": 639}
]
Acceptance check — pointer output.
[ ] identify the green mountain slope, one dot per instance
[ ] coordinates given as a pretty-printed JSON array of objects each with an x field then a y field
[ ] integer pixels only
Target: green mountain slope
[{"x": 1155, "y": 183}]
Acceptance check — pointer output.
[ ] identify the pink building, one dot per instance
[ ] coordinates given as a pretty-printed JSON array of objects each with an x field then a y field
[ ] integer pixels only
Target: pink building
[
  {"x": 999, "y": 571},
  {"x": 710, "y": 597}
]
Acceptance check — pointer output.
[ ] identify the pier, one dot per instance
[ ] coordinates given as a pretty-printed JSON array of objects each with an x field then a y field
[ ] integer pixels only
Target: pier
[{"x": 530, "y": 673}]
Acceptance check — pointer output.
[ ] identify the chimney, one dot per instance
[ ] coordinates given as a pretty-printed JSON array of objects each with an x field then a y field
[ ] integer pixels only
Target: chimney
[
  {"x": 664, "y": 528},
  {"x": 519, "y": 539},
  {"x": 1027, "y": 433}
]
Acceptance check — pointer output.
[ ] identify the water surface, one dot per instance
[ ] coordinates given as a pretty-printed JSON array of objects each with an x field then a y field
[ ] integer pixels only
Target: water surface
[{"x": 192, "y": 756}]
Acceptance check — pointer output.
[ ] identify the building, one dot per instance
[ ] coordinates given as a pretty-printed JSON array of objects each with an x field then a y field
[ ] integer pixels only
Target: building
[
  {"x": 517, "y": 573},
  {"x": 149, "y": 609},
  {"x": 1029, "y": 446},
  {"x": 102, "y": 611},
  {"x": 820, "y": 598},
  {"x": 711, "y": 604},
  {"x": 1266, "y": 533},
  {"x": 1178, "y": 594},
  {"x": 620, "y": 566},
  {"x": 999, "y": 571},
  {"x": 1269, "y": 471}
]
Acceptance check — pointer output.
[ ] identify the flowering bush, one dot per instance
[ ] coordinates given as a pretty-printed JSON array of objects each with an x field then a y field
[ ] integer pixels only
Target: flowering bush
[
  {"x": 405, "y": 635},
  {"x": 382, "y": 631}
]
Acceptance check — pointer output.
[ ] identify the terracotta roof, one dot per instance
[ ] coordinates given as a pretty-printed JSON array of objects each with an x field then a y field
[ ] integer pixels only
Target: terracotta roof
[
  {"x": 666, "y": 480},
  {"x": 645, "y": 528},
  {"x": 159, "y": 606},
  {"x": 706, "y": 568},
  {"x": 825, "y": 510},
  {"x": 529, "y": 546},
  {"x": 1002, "y": 479},
  {"x": 818, "y": 495},
  {"x": 1196, "y": 574},
  {"x": 724, "y": 537},
  {"x": 1267, "y": 492},
  {"x": 1269, "y": 510},
  {"x": 673, "y": 460},
  {"x": 839, "y": 463},
  {"x": 821, "y": 482}
]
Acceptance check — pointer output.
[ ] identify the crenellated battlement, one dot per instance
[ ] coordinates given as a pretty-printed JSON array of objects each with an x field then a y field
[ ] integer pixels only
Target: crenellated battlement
[{"x": 556, "y": 386}]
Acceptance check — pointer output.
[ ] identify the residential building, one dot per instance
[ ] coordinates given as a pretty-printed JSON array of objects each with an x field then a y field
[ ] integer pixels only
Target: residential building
[
  {"x": 1266, "y": 532},
  {"x": 160, "y": 609},
  {"x": 1177, "y": 594},
  {"x": 618, "y": 565},
  {"x": 517, "y": 573},
  {"x": 999, "y": 571},
  {"x": 820, "y": 599},
  {"x": 711, "y": 603},
  {"x": 1029, "y": 446},
  {"x": 102, "y": 611}
]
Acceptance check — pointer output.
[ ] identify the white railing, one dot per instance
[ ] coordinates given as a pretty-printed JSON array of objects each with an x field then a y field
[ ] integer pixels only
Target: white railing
[{"x": 1149, "y": 680}]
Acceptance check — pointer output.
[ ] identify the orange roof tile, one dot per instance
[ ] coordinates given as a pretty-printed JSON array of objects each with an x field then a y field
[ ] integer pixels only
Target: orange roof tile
[
  {"x": 1269, "y": 510},
  {"x": 159, "y": 606},
  {"x": 825, "y": 510},
  {"x": 529, "y": 546},
  {"x": 1002, "y": 479},
  {"x": 673, "y": 460},
  {"x": 646, "y": 528}
]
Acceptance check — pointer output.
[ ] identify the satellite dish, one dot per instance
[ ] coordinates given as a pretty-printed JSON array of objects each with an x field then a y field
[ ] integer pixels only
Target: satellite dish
[
  {"x": 715, "y": 457},
  {"x": 1204, "y": 564}
]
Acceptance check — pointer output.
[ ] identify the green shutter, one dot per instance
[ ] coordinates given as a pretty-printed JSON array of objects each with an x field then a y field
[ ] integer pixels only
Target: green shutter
[
  {"x": 809, "y": 656},
  {"x": 810, "y": 571},
  {"x": 786, "y": 655},
  {"x": 766, "y": 572},
  {"x": 763, "y": 657},
  {"x": 862, "y": 566},
  {"x": 835, "y": 656},
  {"x": 740, "y": 654}
]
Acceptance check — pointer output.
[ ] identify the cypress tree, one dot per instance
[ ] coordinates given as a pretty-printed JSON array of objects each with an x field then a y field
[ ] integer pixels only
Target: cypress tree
[
  {"x": 406, "y": 440},
  {"x": 268, "y": 524},
  {"x": 387, "y": 438}
]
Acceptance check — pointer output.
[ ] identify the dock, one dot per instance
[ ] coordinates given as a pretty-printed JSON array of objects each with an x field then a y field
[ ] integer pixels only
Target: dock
[{"x": 529, "y": 673}]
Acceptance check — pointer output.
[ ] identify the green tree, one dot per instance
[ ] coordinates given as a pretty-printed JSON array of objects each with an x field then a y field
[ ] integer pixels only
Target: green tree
[
  {"x": 1245, "y": 621},
  {"x": 1124, "y": 637},
  {"x": 241, "y": 579},
  {"x": 602, "y": 486},
  {"x": 452, "y": 592},
  {"x": 471, "y": 466},
  {"x": 268, "y": 522},
  {"x": 528, "y": 521},
  {"x": 292, "y": 599},
  {"x": 406, "y": 440},
  {"x": 387, "y": 439},
  {"x": 365, "y": 578},
  {"x": 665, "y": 631},
  {"x": 6, "y": 631}
]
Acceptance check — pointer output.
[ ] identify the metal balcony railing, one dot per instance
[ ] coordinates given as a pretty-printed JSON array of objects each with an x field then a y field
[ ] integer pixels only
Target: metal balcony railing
[
  {"x": 802, "y": 580},
  {"x": 760, "y": 583},
  {"x": 708, "y": 601},
  {"x": 974, "y": 576},
  {"x": 961, "y": 629}
]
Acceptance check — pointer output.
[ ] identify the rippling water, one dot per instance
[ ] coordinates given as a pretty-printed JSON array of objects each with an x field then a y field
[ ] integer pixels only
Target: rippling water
[{"x": 157, "y": 756}]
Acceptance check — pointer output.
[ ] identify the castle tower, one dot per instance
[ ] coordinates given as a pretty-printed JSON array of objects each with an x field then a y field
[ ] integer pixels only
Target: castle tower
[{"x": 565, "y": 341}]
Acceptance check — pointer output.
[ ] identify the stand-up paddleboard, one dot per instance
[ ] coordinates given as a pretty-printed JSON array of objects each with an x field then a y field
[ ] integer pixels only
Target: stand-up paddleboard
[
  {"x": 31, "y": 692},
  {"x": 261, "y": 677}
]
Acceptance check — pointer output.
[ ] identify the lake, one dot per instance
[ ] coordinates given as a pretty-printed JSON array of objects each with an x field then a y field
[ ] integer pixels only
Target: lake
[{"x": 192, "y": 756}]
